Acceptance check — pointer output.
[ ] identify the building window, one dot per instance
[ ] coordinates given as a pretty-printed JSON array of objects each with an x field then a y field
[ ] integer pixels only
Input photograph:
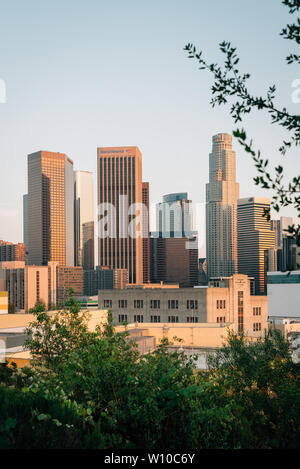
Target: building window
[
  {"x": 240, "y": 311},
  {"x": 221, "y": 319},
  {"x": 107, "y": 303},
  {"x": 221, "y": 304},
  {"x": 155, "y": 304},
  {"x": 122, "y": 303},
  {"x": 173, "y": 319},
  {"x": 138, "y": 318},
  {"x": 122, "y": 318},
  {"x": 138, "y": 304},
  {"x": 256, "y": 326},
  {"x": 192, "y": 304},
  {"x": 257, "y": 311},
  {"x": 172, "y": 304},
  {"x": 191, "y": 319},
  {"x": 38, "y": 287},
  {"x": 155, "y": 319}
]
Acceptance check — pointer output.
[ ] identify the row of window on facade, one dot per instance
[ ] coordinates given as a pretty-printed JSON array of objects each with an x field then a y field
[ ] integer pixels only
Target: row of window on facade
[
  {"x": 140, "y": 318},
  {"x": 155, "y": 304}
]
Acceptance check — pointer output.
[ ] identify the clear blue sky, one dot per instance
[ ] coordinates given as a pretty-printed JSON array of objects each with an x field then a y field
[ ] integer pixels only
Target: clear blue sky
[{"x": 82, "y": 74}]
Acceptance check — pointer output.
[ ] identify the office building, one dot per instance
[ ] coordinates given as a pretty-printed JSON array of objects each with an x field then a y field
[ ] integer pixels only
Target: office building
[
  {"x": 224, "y": 301},
  {"x": 104, "y": 278},
  {"x": 68, "y": 278},
  {"x": 12, "y": 252},
  {"x": 120, "y": 210},
  {"x": 84, "y": 220},
  {"x": 29, "y": 284},
  {"x": 280, "y": 228},
  {"x": 222, "y": 193},
  {"x": 254, "y": 238},
  {"x": 25, "y": 223},
  {"x": 174, "y": 216},
  {"x": 174, "y": 260},
  {"x": 50, "y": 209},
  {"x": 146, "y": 232}
]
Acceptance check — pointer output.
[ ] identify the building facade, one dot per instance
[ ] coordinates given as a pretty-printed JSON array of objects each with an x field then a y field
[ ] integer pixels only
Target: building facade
[
  {"x": 50, "y": 208},
  {"x": 283, "y": 295},
  {"x": 174, "y": 216},
  {"x": 120, "y": 214},
  {"x": 224, "y": 301},
  {"x": 12, "y": 252},
  {"x": 25, "y": 223},
  {"x": 254, "y": 238},
  {"x": 222, "y": 193},
  {"x": 146, "y": 232},
  {"x": 28, "y": 284},
  {"x": 84, "y": 218},
  {"x": 174, "y": 260}
]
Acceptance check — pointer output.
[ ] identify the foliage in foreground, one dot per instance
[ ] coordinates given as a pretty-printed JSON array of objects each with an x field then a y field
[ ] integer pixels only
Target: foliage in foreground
[{"x": 94, "y": 390}]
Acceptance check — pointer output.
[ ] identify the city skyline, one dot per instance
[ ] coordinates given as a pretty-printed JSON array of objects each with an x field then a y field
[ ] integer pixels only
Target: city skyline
[{"x": 79, "y": 106}]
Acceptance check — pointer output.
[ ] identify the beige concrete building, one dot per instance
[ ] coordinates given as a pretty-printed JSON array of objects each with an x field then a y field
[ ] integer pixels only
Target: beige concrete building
[
  {"x": 222, "y": 193},
  {"x": 29, "y": 284},
  {"x": 226, "y": 301}
]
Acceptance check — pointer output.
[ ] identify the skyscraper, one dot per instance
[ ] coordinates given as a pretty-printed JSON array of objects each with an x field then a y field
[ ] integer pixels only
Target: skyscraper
[
  {"x": 280, "y": 228},
  {"x": 120, "y": 210},
  {"x": 174, "y": 216},
  {"x": 50, "y": 208},
  {"x": 146, "y": 233},
  {"x": 222, "y": 193},
  {"x": 84, "y": 220},
  {"x": 254, "y": 238},
  {"x": 25, "y": 223}
]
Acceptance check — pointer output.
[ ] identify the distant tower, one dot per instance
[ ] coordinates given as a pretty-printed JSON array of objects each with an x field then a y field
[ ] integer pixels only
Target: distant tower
[
  {"x": 146, "y": 233},
  {"x": 50, "y": 208},
  {"x": 120, "y": 199},
  {"x": 222, "y": 193},
  {"x": 174, "y": 216},
  {"x": 25, "y": 223},
  {"x": 254, "y": 238},
  {"x": 84, "y": 220}
]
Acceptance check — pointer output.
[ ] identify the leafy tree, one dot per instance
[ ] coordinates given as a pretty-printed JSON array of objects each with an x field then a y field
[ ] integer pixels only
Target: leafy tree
[
  {"x": 231, "y": 85},
  {"x": 94, "y": 389},
  {"x": 39, "y": 307},
  {"x": 265, "y": 383}
]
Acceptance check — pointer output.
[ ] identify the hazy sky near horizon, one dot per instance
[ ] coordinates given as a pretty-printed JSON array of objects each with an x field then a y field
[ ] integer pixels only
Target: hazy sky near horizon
[{"x": 83, "y": 74}]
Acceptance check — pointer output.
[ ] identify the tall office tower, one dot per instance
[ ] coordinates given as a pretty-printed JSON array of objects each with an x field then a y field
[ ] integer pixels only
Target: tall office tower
[
  {"x": 222, "y": 193},
  {"x": 174, "y": 216},
  {"x": 146, "y": 233},
  {"x": 254, "y": 238},
  {"x": 50, "y": 208},
  {"x": 280, "y": 228},
  {"x": 119, "y": 218},
  {"x": 84, "y": 220},
  {"x": 25, "y": 223}
]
